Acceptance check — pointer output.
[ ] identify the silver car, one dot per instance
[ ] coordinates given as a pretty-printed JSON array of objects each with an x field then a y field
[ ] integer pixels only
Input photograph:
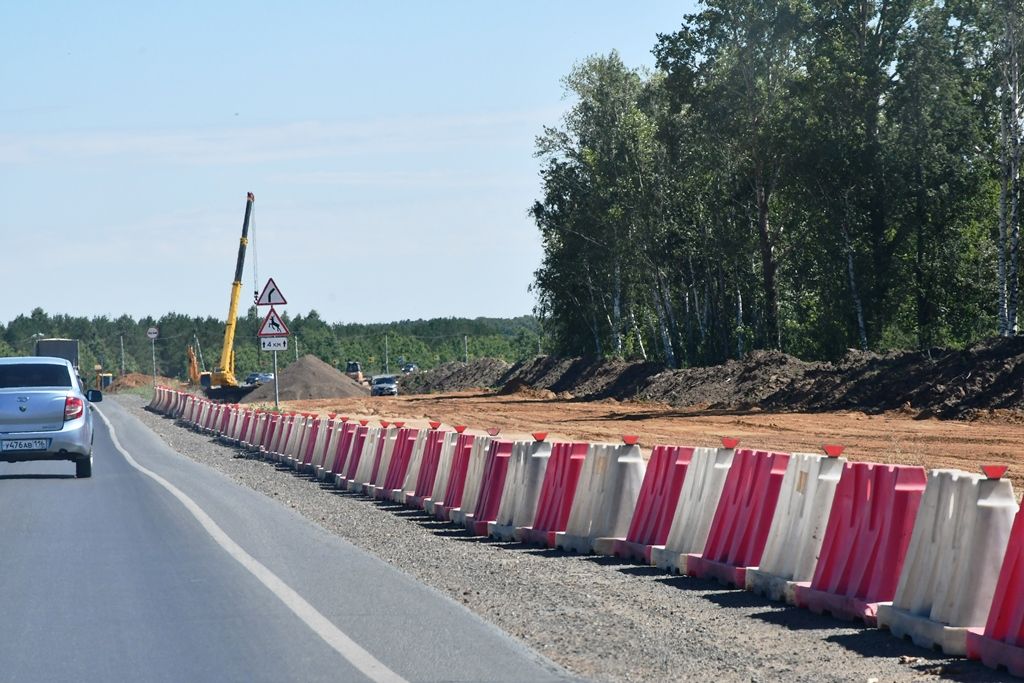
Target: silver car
[
  {"x": 45, "y": 412},
  {"x": 384, "y": 385}
]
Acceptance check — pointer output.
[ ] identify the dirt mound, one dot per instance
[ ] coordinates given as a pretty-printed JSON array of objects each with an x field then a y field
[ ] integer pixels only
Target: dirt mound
[
  {"x": 478, "y": 373},
  {"x": 308, "y": 378},
  {"x": 737, "y": 384},
  {"x": 957, "y": 384}
]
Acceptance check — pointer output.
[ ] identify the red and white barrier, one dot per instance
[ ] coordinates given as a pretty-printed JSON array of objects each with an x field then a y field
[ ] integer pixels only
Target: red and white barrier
[
  {"x": 455, "y": 479},
  {"x": 952, "y": 565},
  {"x": 556, "y": 494},
  {"x": 339, "y": 454},
  {"x": 437, "y": 457},
  {"x": 376, "y": 440},
  {"x": 743, "y": 518},
  {"x": 1001, "y": 642},
  {"x": 412, "y": 473},
  {"x": 798, "y": 528},
  {"x": 492, "y": 487},
  {"x": 659, "y": 496},
  {"x": 606, "y": 496},
  {"x": 348, "y": 470},
  {"x": 462, "y": 502},
  {"x": 394, "y": 475},
  {"x": 523, "y": 483},
  {"x": 866, "y": 540},
  {"x": 698, "y": 500},
  {"x": 401, "y": 469}
]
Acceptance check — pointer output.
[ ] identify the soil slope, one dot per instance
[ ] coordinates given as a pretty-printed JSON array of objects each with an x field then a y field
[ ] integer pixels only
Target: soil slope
[{"x": 984, "y": 379}]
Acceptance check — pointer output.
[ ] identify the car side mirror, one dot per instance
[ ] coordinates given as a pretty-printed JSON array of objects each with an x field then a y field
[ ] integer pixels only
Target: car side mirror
[{"x": 94, "y": 395}]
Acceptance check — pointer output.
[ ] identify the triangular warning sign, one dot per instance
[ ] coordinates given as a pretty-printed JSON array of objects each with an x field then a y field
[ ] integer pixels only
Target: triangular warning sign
[
  {"x": 273, "y": 326},
  {"x": 271, "y": 295}
]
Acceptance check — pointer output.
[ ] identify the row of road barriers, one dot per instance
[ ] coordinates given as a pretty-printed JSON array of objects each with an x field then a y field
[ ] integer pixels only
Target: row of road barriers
[{"x": 936, "y": 557}]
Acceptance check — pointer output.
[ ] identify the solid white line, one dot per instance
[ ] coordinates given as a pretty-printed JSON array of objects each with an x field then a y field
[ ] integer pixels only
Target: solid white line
[{"x": 321, "y": 625}]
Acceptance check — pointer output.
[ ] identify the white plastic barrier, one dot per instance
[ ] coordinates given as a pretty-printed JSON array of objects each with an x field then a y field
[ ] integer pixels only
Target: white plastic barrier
[
  {"x": 376, "y": 439},
  {"x": 798, "y": 526},
  {"x": 444, "y": 468},
  {"x": 323, "y": 459},
  {"x": 606, "y": 496},
  {"x": 695, "y": 510},
  {"x": 376, "y": 479},
  {"x": 952, "y": 565},
  {"x": 295, "y": 439},
  {"x": 474, "y": 476},
  {"x": 523, "y": 481},
  {"x": 413, "y": 471}
]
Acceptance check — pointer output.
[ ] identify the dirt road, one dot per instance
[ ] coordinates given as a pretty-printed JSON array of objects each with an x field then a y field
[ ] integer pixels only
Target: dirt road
[{"x": 888, "y": 438}]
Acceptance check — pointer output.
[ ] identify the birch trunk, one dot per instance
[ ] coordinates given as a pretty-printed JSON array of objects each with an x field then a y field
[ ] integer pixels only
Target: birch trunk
[{"x": 854, "y": 294}]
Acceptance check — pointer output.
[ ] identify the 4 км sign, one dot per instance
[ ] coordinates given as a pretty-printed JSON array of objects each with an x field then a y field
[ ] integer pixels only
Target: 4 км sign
[{"x": 274, "y": 343}]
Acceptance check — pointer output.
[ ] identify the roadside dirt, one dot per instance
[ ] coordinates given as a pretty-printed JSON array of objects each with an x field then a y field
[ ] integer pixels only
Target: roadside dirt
[{"x": 892, "y": 437}]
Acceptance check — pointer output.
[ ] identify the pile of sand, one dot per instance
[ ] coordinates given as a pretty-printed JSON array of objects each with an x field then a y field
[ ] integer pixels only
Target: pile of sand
[{"x": 308, "y": 378}]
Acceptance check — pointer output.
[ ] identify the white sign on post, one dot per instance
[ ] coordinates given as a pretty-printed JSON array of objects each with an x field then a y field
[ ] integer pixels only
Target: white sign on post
[
  {"x": 274, "y": 343},
  {"x": 152, "y": 333}
]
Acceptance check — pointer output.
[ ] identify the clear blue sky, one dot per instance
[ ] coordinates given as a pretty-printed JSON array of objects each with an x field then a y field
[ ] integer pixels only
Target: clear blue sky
[{"x": 389, "y": 146}]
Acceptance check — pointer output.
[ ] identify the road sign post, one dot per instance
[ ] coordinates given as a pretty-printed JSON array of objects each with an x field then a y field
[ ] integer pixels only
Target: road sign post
[
  {"x": 273, "y": 333},
  {"x": 153, "y": 333}
]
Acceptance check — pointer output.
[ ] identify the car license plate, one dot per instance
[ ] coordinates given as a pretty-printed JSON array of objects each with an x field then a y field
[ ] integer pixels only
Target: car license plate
[{"x": 24, "y": 445}]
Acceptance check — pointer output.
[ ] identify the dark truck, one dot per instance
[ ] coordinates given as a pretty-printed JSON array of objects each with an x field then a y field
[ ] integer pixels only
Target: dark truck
[{"x": 59, "y": 348}]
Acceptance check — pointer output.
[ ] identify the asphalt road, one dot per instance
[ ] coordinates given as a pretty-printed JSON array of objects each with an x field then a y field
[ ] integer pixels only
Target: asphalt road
[{"x": 188, "y": 576}]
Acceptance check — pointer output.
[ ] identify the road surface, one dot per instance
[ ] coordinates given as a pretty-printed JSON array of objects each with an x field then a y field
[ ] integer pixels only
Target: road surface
[{"x": 160, "y": 569}]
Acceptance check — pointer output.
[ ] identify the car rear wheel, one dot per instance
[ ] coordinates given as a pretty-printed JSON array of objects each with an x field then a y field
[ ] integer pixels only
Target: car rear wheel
[{"x": 83, "y": 468}]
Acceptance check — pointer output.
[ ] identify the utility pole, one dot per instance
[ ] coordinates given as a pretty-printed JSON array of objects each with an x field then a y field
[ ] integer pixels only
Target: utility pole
[
  {"x": 387, "y": 360},
  {"x": 122, "y": 354},
  {"x": 296, "y": 351},
  {"x": 465, "y": 346}
]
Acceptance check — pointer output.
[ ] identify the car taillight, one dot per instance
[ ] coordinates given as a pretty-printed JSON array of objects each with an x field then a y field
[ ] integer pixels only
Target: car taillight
[{"x": 73, "y": 408}]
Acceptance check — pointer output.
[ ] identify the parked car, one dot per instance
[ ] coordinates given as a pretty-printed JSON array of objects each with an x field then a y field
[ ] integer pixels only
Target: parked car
[
  {"x": 384, "y": 385},
  {"x": 45, "y": 412},
  {"x": 258, "y": 378},
  {"x": 409, "y": 367}
]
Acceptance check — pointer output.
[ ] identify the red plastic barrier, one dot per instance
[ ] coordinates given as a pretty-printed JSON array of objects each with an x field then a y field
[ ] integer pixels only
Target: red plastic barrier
[
  {"x": 399, "y": 465},
  {"x": 456, "y": 477},
  {"x": 866, "y": 540},
  {"x": 1001, "y": 643},
  {"x": 428, "y": 469},
  {"x": 742, "y": 519},
  {"x": 556, "y": 494},
  {"x": 355, "y": 455},
  {"x": 491, "y": 486},
  {"x": 310, "y": 445},
  {"x": 659, "y": 494},
  {"x": 269, "y": 428},
  {"x": 344, "y": 448}
]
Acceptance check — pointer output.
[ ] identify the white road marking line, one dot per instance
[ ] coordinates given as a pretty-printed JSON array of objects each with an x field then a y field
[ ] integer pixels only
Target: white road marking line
[{"x": 320, "y": 625}]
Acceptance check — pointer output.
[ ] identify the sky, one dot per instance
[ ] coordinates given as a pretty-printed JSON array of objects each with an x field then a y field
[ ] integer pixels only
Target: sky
[{"x": 390, "y": 147}]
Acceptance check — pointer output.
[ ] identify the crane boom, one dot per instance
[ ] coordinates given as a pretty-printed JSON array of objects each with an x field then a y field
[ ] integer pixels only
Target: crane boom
[{"x": 224, "y": 374}]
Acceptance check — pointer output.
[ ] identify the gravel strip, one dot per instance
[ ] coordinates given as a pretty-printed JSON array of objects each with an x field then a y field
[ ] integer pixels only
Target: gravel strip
[{"x": 597, "y": 616}]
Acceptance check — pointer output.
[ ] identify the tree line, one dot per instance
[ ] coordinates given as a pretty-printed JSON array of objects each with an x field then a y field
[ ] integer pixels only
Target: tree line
[
  {"x": 378, "y": 347},
  {"x": 803, "y": 175}
]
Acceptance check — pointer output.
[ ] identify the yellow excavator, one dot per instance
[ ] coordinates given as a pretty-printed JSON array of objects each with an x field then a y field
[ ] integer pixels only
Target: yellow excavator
[{"x": 222, "y": 384}]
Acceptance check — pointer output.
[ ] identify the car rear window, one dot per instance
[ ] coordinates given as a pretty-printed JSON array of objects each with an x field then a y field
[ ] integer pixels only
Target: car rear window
[{"x": 34, "y": 375}]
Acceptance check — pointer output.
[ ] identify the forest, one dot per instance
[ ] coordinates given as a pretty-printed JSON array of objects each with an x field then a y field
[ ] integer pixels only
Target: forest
[
  {"x": 803, "y": 175},
  {"x": 121, "y": 343}
]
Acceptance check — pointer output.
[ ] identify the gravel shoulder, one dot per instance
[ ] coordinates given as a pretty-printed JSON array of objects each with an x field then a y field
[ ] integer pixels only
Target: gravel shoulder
[{"x": 599, "y": 617}]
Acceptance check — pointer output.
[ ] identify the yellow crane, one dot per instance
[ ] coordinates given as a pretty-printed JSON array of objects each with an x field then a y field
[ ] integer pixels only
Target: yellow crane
[{"x": 222, "y": 383}]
